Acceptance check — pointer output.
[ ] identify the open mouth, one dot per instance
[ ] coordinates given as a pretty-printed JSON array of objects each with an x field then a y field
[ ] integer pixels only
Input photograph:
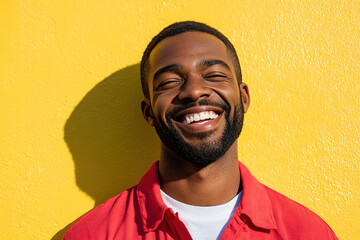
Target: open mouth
[
  {"x": 200, "y": 118},
  {"x": 198, "y": 115}
]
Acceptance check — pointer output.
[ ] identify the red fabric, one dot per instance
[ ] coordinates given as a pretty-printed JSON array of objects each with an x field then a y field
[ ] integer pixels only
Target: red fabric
[{"x": 140, "y": 213}]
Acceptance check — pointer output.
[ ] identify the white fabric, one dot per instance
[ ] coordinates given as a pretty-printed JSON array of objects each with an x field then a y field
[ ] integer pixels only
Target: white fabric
[{"x": 203, "y": 223}]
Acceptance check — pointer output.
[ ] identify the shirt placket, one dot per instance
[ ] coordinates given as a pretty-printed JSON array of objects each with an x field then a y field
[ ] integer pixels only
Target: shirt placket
[
  {"x": 236, "y": 229},
  {"x": 179, "y": 227}
]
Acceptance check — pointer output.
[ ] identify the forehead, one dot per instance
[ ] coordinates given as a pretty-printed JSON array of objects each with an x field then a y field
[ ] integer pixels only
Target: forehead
[{"x": 186, "y": 49}]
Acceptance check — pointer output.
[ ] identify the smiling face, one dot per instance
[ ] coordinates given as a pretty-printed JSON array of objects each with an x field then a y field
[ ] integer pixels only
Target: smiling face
[{"x": 195, "y": 101}]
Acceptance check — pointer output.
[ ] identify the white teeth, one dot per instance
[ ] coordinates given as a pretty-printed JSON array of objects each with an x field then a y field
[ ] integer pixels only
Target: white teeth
[
  {"x": 196, "y": 117},
  {"x": 207, "y": 115}
]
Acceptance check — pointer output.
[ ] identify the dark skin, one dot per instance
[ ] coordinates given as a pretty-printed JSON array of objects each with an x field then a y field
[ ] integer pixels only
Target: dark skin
[{"x": 187, "y": 68}]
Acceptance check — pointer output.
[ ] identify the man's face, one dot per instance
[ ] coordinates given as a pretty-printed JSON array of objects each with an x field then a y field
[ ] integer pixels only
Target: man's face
[{"x": 195, "y": 102}]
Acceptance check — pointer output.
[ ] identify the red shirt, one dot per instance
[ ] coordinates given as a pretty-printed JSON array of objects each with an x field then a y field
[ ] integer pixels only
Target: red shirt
[{"x": 140, "y": 213}]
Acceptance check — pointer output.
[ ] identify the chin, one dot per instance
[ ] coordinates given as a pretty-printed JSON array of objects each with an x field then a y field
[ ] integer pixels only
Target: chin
[{"x": 206, "y": 151}]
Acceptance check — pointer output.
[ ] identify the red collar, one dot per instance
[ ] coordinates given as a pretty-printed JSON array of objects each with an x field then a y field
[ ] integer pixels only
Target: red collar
[{"x": 255, "y": 202}]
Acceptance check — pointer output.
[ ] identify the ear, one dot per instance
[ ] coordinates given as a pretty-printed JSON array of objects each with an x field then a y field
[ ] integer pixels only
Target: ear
[
  {"x": 147, "y": 111},
  {"x": 245, "y": 95}
]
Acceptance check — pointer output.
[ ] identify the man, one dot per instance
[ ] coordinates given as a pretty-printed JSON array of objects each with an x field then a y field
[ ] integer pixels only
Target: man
[{"x": 195, "y": 98}]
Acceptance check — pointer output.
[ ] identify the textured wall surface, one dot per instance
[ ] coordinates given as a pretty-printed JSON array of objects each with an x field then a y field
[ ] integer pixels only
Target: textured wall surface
[{"x": 71, "y": 131}]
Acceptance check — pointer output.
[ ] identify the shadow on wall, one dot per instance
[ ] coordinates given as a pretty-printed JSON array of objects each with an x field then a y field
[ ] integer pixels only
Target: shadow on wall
[{"x": 111, "y": 144}]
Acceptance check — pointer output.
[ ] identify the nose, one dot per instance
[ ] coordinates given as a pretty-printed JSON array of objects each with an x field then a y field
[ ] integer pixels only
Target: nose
[{"x": 193, "y": 89}]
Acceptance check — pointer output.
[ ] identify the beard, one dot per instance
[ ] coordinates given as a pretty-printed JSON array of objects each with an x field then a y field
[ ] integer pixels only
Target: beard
[{"x": 208, "y": 152}]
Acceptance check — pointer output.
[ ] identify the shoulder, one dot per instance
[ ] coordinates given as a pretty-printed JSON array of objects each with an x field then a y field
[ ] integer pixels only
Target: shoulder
[
  {"x": 105, "y": 218},
  {"x": 294, "y": 219}
]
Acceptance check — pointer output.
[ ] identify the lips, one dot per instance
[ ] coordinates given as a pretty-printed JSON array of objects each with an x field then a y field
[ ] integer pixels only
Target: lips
[
  {"x": 200, "y": 117},
  {"x": 197, "y": 113}
]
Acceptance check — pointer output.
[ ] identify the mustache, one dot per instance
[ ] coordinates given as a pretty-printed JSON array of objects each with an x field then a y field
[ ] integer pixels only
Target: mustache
[{"x": 203, "y": 102}]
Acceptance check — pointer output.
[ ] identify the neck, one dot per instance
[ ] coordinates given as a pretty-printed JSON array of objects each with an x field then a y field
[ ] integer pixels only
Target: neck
[{"x": 194, "y": 184}]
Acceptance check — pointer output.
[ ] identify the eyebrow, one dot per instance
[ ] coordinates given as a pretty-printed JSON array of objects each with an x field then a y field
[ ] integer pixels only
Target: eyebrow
[
  {"x": 170, "y": 68},
  {"x": 209, "y": 63}
]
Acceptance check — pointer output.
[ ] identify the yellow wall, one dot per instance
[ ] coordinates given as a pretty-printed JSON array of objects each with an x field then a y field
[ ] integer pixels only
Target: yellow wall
[{"x": 71, "y": 132}]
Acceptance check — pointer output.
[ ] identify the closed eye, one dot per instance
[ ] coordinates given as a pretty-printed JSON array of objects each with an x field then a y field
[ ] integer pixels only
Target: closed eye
[
  {"x": 168, "y": 83},
  {"x": 216, "y": 76}
]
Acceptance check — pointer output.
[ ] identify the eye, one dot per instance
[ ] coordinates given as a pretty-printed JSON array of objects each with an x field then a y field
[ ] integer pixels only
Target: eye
[
  {"x": 168, "y": 83},
  {"x": 215, "y": 76}
]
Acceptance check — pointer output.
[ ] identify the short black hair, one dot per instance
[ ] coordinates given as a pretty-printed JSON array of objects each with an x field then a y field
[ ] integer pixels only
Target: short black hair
[{"x": 178, "y": 28}]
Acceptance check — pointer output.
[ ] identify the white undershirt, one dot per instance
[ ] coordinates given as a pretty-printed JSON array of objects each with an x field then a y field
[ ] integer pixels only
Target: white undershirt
[{"x": 203, "y": 223}]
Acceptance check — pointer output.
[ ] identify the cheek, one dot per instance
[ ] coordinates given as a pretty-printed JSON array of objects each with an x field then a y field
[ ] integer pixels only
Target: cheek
[
  {"x": 230, "y": 94},
  {"x": 161, "y": 105}
]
